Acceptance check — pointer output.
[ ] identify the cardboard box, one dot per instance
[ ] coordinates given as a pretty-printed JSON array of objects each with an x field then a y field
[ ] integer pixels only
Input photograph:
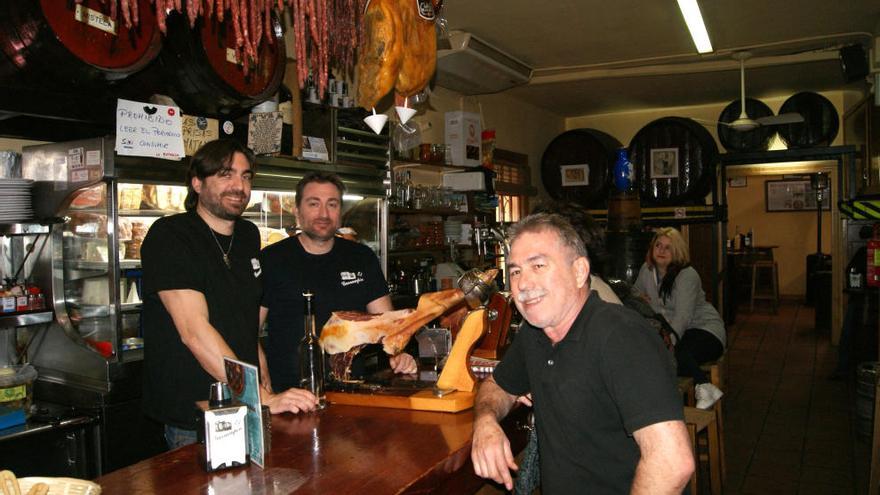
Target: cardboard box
[
  {"x": 465, "y": 181},
  {"x": 463, "y": 138}
]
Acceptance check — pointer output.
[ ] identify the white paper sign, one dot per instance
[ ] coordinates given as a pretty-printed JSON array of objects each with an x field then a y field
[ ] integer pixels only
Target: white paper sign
[
  {"x": 146, "y": 129},
  {"x": 314, "y": 148}
]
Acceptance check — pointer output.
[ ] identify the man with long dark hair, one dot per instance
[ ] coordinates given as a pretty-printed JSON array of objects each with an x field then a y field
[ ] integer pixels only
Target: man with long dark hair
[{"x": 202, "y": 291}]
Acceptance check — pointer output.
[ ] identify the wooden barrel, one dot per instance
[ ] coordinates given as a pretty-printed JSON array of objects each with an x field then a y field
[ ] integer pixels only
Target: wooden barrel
[
  {"x": 62, "y": 44},
  {"x": 584, "y": 158},
  {"x": 820, "y": 124},
  {"x": 674, "y": 160},
  {"x": 628, "y": 253},
  {"x": 624, "y": 212},
  {"x": 197, "y": 68},
  {"x": 757, "y": 139}
]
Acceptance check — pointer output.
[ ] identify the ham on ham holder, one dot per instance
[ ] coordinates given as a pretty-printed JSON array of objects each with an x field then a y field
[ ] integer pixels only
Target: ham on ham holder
[{"x": 347, "y": 332}]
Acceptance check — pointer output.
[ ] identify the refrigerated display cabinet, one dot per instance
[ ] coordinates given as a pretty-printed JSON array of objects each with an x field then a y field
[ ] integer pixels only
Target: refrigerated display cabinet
[{"x": 102, "y": 204}]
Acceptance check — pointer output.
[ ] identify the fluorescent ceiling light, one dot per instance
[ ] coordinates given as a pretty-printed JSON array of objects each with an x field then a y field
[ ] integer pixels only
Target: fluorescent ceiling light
[
  {"x": 352, "y": 197},
  {"x": 691, "y": 12}
]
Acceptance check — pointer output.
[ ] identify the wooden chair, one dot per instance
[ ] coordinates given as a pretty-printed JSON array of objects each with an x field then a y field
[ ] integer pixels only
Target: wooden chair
[{"x": 699, "y": 421}]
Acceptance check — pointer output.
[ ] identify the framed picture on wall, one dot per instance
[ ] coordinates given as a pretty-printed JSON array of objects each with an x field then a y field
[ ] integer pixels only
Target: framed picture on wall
[
  {"x": 664, "y": 163},
  {"x": 737, "y": 182},
  {"x": 575, "y": 175},
  {"x": 794, "y": 195}
]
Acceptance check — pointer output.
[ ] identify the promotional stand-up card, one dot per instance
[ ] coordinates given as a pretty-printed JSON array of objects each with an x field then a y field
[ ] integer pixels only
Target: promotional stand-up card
[{"x": 244, "y": 383}]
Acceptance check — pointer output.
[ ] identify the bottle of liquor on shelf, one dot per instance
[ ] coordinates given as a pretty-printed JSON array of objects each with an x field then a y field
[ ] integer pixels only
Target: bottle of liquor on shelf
[
  {"x": 408, "y": 191},
  {"x": 747, "y": 240},
  {"x": 311, "y": 355}
]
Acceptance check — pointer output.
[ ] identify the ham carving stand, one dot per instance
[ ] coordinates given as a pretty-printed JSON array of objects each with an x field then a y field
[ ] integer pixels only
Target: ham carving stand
[{"x": 455, "y": 388}]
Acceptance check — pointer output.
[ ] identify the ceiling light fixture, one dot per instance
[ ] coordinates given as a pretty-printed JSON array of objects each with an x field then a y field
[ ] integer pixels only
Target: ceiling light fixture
[{"x": 691, "y": 12}]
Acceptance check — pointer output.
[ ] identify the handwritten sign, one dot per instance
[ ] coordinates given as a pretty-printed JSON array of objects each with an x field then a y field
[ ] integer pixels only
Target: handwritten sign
[
  {"x": 264, "y": 132},
  {"x": 198, "y": 131},
  {"x": 146, "y": 129}
]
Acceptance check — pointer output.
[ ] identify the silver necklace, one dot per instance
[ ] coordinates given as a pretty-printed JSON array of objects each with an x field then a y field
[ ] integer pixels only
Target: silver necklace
[{"x": 228, "y": 250}]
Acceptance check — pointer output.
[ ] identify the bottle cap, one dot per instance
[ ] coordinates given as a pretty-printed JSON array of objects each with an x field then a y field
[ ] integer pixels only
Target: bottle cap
[{"x": 219, "y": 395}]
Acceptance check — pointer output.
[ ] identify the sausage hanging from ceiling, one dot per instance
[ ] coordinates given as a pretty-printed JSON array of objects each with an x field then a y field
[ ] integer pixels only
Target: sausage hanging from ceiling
[{"x": 326, "y": 32}]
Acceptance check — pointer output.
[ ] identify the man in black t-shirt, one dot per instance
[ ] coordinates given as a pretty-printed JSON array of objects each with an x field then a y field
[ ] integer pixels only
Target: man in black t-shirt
[
  {"x": 343, "y": 275},
  {"x": 201, "y": 289},
  {"x": 608, "y": 417}
]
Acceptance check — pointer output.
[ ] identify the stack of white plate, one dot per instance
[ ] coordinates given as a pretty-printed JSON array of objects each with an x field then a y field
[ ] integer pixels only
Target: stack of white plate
[
  {"x": 15, "y": 200},
  {"x": 452, "y": 230}
]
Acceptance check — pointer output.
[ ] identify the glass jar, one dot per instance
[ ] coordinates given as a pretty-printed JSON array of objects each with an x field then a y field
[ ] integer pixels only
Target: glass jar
[
  {"x": 425, "y": 152},
  {"x": 438, "y": 153}
]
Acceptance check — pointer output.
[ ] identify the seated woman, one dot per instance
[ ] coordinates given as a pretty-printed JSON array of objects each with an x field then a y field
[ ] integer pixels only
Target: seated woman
[{"x": 673, "y": 289}]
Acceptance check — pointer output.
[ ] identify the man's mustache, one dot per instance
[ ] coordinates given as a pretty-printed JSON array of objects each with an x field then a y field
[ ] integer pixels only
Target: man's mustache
[{"x": 528, "y": 295}]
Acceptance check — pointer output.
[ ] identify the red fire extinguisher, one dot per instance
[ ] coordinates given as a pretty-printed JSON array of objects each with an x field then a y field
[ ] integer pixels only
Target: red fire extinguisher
[{"x": 873, "y": 269}]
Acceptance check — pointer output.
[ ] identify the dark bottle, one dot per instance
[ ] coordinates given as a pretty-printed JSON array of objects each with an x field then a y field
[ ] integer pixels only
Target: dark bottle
[{"x": 311, "y": 355}]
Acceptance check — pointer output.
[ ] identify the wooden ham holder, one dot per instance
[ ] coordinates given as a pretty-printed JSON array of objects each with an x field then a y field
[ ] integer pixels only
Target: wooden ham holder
[{"x": 456, "y": 375}]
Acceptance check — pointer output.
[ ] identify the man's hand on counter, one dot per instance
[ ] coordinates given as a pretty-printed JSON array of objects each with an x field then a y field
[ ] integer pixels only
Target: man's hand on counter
[
  {"x": 491, "y": 453},
  {"x": 293, "y": 400},
  {"x": 403, "y": 363}
]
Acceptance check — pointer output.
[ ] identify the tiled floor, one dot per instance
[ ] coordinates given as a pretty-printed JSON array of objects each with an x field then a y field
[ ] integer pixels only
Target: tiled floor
[{"x": 788, "y": 427}]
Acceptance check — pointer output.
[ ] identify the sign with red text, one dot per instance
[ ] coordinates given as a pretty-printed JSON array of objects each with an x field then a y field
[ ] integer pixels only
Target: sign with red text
[{"x": 147, "y": 129}]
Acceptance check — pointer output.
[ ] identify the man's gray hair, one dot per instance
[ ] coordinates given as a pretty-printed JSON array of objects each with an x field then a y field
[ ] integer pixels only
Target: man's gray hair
[{"x": 541, "y": 222}]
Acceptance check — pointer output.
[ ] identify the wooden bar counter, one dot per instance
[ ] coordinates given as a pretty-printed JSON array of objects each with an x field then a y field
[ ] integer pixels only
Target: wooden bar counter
[{"x": 343, "y": 449}]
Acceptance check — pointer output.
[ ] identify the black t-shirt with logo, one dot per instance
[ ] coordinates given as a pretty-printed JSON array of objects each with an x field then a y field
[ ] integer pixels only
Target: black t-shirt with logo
[
  {"x": 179, "y": 252},
  {"x": 346, "y": 278}
]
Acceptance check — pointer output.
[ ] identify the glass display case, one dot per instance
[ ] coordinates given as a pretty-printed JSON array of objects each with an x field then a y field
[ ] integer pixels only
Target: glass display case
[{"x": 102, "y": 206}]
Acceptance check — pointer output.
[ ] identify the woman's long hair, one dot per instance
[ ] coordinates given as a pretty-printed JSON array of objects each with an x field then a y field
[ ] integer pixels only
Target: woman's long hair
[{"x": 680, "y": 258}]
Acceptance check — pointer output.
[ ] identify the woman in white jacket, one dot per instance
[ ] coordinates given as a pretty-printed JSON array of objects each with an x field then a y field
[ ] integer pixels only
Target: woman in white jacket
[{"x": 672, "y": 287}]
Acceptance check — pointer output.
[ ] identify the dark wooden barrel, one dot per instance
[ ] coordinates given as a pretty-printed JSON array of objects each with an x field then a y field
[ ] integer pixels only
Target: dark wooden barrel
[
  {"x": 820, "y": 124},
  {"x": 580, "y": 147},
  {"x": 194, "y": 70},
  {"x": 757, "y": 139},
  {"x": 628, "y": 253},
  {"x": 684, "y": 157},
  {"x": 45, "y": 45}
]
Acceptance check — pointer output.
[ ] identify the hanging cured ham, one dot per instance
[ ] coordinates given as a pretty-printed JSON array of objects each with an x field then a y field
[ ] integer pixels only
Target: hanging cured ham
[
  {"x": 419, "y": 52},
  {"x": 381, "y": 54},
  {"x": 400, "y": 50}
]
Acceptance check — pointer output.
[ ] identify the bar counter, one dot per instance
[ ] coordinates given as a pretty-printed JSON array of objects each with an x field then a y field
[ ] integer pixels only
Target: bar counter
[{"x": 343, "y": 449}]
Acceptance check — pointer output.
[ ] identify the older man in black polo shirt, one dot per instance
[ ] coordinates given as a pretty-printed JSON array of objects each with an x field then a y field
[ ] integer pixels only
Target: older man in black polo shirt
[{"x": 608, "y": 416}]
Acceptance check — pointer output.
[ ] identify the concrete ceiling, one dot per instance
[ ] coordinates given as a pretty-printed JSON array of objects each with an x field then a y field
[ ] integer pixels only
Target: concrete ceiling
[{"x": 592, "y": 57}]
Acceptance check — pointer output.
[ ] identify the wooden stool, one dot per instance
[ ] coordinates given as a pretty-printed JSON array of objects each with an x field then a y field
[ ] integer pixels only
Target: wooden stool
[
  {"x": 768, "y": 268},
  {"x": 717, "y": 371},
  {"x": 698, "y": 421},
  {"x": 686, "y": 390}
]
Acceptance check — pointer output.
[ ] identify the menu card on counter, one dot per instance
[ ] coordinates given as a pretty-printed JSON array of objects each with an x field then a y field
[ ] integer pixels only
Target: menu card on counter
[
  {"x": 147, "y": 129},
  {"x": 244, "y": 383}
]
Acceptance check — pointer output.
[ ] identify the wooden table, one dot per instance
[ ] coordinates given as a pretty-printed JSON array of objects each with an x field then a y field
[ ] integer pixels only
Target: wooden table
[{"x": 344, "y": 449}]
